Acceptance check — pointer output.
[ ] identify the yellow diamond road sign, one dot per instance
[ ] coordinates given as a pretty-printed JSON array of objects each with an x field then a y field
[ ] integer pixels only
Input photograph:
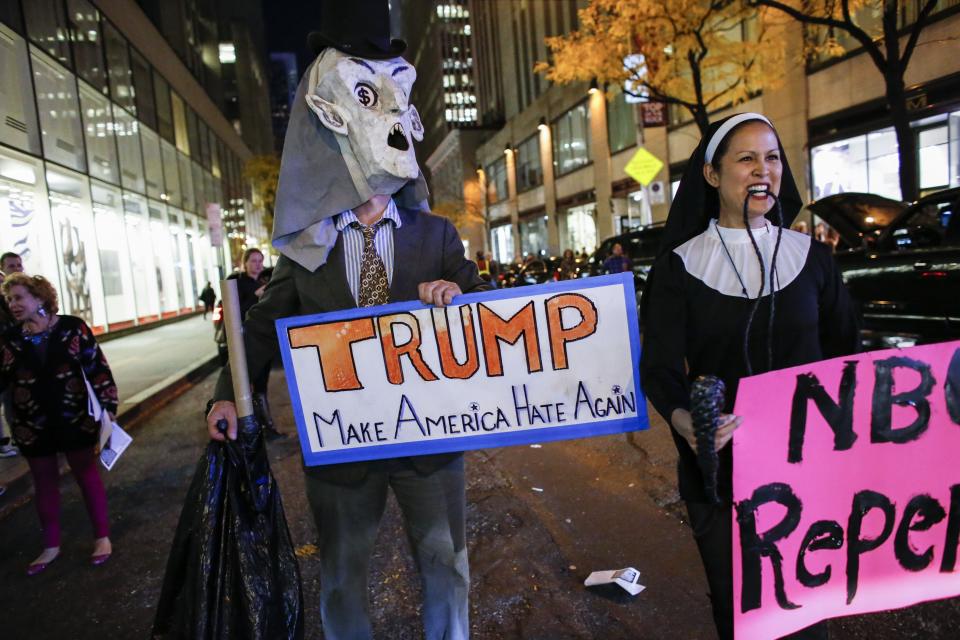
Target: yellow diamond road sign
[{"x": 643, "y": 166}]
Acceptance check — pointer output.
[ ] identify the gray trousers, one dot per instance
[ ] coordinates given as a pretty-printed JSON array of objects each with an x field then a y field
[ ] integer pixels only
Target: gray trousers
[{"x": 348, "y": 517}]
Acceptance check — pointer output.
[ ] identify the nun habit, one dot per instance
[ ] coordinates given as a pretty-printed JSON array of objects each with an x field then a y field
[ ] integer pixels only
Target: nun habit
[{"x": 708, "y": 310}]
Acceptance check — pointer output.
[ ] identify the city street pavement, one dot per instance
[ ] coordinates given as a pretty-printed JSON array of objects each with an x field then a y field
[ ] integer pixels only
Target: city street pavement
[
  {"x": 143, "y": 364},
  {"x": 539, "y": 520}
]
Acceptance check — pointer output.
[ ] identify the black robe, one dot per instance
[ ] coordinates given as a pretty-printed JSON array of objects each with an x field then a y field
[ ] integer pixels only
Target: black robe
[{"x": 692, "y": 329}]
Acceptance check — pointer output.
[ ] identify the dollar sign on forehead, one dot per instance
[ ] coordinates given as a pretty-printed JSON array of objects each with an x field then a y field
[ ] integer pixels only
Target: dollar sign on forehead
[{"x": 364, "y": 96}]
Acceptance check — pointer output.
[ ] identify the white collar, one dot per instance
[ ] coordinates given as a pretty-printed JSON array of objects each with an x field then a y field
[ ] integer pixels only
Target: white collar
[{"x": 722, "y": 257}]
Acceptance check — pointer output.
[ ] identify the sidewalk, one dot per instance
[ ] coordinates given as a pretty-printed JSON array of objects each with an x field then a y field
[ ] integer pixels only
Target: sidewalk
[{"x": 151, "y": 368}]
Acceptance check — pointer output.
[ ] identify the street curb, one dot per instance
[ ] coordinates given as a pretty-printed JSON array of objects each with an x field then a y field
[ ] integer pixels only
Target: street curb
[{"x": 140, "y": 407}]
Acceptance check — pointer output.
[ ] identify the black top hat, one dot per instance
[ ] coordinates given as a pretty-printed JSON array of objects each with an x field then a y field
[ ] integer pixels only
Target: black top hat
[{"x": 356, "y": 27}]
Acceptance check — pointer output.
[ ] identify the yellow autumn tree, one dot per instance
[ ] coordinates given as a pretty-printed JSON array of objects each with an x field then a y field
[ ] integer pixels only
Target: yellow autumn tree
[
  {"x": 263, "y": 172},
  {"x": 888, "y": 31},
  {"x": 701, "y": 55},
  {"x": 462, "y": 214}
]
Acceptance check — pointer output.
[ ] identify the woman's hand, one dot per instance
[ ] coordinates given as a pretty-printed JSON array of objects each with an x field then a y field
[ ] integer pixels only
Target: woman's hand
[
  {"x": 683, "y": 424},
  {"x": 259, "y": 291}
]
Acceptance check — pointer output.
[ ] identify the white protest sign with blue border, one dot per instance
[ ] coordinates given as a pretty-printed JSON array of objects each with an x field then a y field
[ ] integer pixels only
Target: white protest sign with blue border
[{"x": 506, "y": 367}]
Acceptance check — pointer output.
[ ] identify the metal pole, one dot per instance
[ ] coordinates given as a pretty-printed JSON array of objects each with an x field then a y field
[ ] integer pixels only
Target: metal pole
[{"x": 233, "y": 323}]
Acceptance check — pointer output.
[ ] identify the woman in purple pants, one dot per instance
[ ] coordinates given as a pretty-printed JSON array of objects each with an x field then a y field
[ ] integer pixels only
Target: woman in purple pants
[{"x": 43, "y": 361}]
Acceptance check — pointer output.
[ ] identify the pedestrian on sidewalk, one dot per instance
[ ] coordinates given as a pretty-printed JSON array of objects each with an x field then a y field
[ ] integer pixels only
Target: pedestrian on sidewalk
[
  {"x": 207, "y": 297},
  {"x": 9, "y": 263},
  {"x": 47, "y": 362},
  {"x": 353, "y": 231},
  {"x": 250, "y": 288},
  {"x": 723, "y": 264}
]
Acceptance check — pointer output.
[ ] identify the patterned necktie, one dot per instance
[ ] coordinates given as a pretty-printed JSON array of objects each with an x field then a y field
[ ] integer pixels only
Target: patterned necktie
[{"x": 374, "y": 288}]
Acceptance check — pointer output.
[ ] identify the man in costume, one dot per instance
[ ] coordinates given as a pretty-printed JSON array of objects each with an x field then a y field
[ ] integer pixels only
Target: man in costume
[{"x": 353, "y": 230}]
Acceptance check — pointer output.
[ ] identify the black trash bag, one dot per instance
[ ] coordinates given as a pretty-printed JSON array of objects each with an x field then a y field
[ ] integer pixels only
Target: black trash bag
[{"x": 232, "y": 572}]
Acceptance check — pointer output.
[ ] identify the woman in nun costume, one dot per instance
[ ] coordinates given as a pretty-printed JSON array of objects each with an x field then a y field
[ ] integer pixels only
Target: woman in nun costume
[{"x": 734, "y": 293}]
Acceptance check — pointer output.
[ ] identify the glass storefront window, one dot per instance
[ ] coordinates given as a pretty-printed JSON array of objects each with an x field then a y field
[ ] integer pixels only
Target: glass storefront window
[
  {"x": 16, "y": 94},
  {"x": 210, "y": 188},
  {"x": 162, "y": 258},
  {"x": 934, "y": 157},
  {"x": 24, "y": 214},
  {"x": 164, "y": 111},
  {"x": 581, "y": 228},
  {"x": 75, "y": 239},
  {"x": 99, "y": 134},
  {"x": 119, "y": 298},
  {"x": 621, "y": 124},
  {"x": 198, "y": 188},
  {"x": 204, "y": 144},
  {"x": 953, "y": 123},
  {"x": 10, "y": 14},
  {"x": 144, "y": 271},
  {"x": 118, "y": 66},
  {"x": 87, "y": 43},
  {"x": 638, "y": 211},
  {"x": 47, "y": 27},
  {"x": 883, "y": 163},
  {"x": 215, "y": 153},
  {"x": 181, "y": 269},
  {"x": 529, "y": 168},
  {"x": 193, "y": 135},
  {"x": 533, "y": 235},
  {"x": 187, "y": 194},
  {"x": 128, "y": 142},
  {"x": 497, "y": 181},
  {"x": 171, "y": 174},
  {"x": 152, "y": 162},
  {"x": 56, "y": 92},
  {"x": 571, "y": 139},
  {"x": 180, "y": 136},
  {"x": 195, "y": 259},
  {"x": 143, "y": 89},
  {"x": 839, "y": 167},
  {"x": 501, "y": 239}
]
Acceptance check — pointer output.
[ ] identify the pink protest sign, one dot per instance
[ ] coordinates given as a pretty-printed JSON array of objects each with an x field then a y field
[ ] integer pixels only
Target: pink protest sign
[{"x": 846, "y": 486}]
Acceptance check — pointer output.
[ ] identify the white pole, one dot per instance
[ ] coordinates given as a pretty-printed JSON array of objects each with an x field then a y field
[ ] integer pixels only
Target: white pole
[{"x": 233, "y": 323}]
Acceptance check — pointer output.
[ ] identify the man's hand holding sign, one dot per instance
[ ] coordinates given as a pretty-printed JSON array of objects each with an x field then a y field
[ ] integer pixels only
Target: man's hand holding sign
[
  {"x": 437, "y": 292},
  {"x": 538, "y": 363}
]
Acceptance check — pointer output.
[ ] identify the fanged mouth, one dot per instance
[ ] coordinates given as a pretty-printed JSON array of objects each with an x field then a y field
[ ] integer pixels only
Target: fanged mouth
[{"x": 397, "y": 139}]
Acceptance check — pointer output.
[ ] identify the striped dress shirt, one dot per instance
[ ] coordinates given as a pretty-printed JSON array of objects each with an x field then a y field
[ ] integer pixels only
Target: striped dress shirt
[{"x": 353, "y": 245}]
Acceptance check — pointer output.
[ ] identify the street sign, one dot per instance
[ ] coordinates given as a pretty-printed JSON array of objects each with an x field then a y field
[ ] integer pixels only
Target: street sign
[
  {"x": 654, "y": 114},
  {"x": 643, "y": 166}
]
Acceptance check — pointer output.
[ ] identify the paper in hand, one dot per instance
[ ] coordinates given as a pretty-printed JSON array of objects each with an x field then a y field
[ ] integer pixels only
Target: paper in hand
[{"x": 117, "y": 444}]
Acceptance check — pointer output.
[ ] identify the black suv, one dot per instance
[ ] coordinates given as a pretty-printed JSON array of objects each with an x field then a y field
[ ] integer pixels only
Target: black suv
[
  {"x": 901, "y": 264},
  {"x": 639, "y": 246}
]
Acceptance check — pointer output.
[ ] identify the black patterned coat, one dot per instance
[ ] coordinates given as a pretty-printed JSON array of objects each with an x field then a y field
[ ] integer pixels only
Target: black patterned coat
[{"x": 49, "y": 396}]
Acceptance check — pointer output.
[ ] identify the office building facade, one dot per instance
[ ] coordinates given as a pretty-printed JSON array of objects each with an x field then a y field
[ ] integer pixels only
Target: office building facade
[
  {"x": 553, "y": 175},
  {"x": 120, "y": 176}
]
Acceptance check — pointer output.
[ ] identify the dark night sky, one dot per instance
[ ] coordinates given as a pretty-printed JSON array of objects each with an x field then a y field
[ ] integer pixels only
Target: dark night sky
[{"x": 287, "y": 23}]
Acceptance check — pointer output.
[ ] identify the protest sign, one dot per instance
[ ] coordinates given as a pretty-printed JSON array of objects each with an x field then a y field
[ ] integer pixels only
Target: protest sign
[
  {"x": 514, "y": 366},
  {"x": 846, "y": 488}
]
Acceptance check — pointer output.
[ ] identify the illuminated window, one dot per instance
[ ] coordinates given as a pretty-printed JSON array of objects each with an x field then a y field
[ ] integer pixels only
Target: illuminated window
[{"x": 228, "y": 53}]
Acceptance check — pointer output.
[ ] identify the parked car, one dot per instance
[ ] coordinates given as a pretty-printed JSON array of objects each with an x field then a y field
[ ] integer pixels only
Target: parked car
[
  {"x": 901, "y": 264},
  {"x": 639, "y": 246},
  {"x": 536, "y": 271}
]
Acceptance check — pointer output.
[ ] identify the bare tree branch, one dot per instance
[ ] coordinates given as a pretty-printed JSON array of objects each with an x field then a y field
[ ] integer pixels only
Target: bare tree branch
[{"x": 915, "y": 32}]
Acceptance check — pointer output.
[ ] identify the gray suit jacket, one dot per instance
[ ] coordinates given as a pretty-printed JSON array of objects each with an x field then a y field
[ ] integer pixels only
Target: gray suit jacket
[{"x": 426, "y": 248}]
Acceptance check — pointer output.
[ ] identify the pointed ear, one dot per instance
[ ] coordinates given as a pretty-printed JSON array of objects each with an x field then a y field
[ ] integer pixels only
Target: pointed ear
[
  {"x": 331, "y": 116},
  {"x": 416, "y": 127}
]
